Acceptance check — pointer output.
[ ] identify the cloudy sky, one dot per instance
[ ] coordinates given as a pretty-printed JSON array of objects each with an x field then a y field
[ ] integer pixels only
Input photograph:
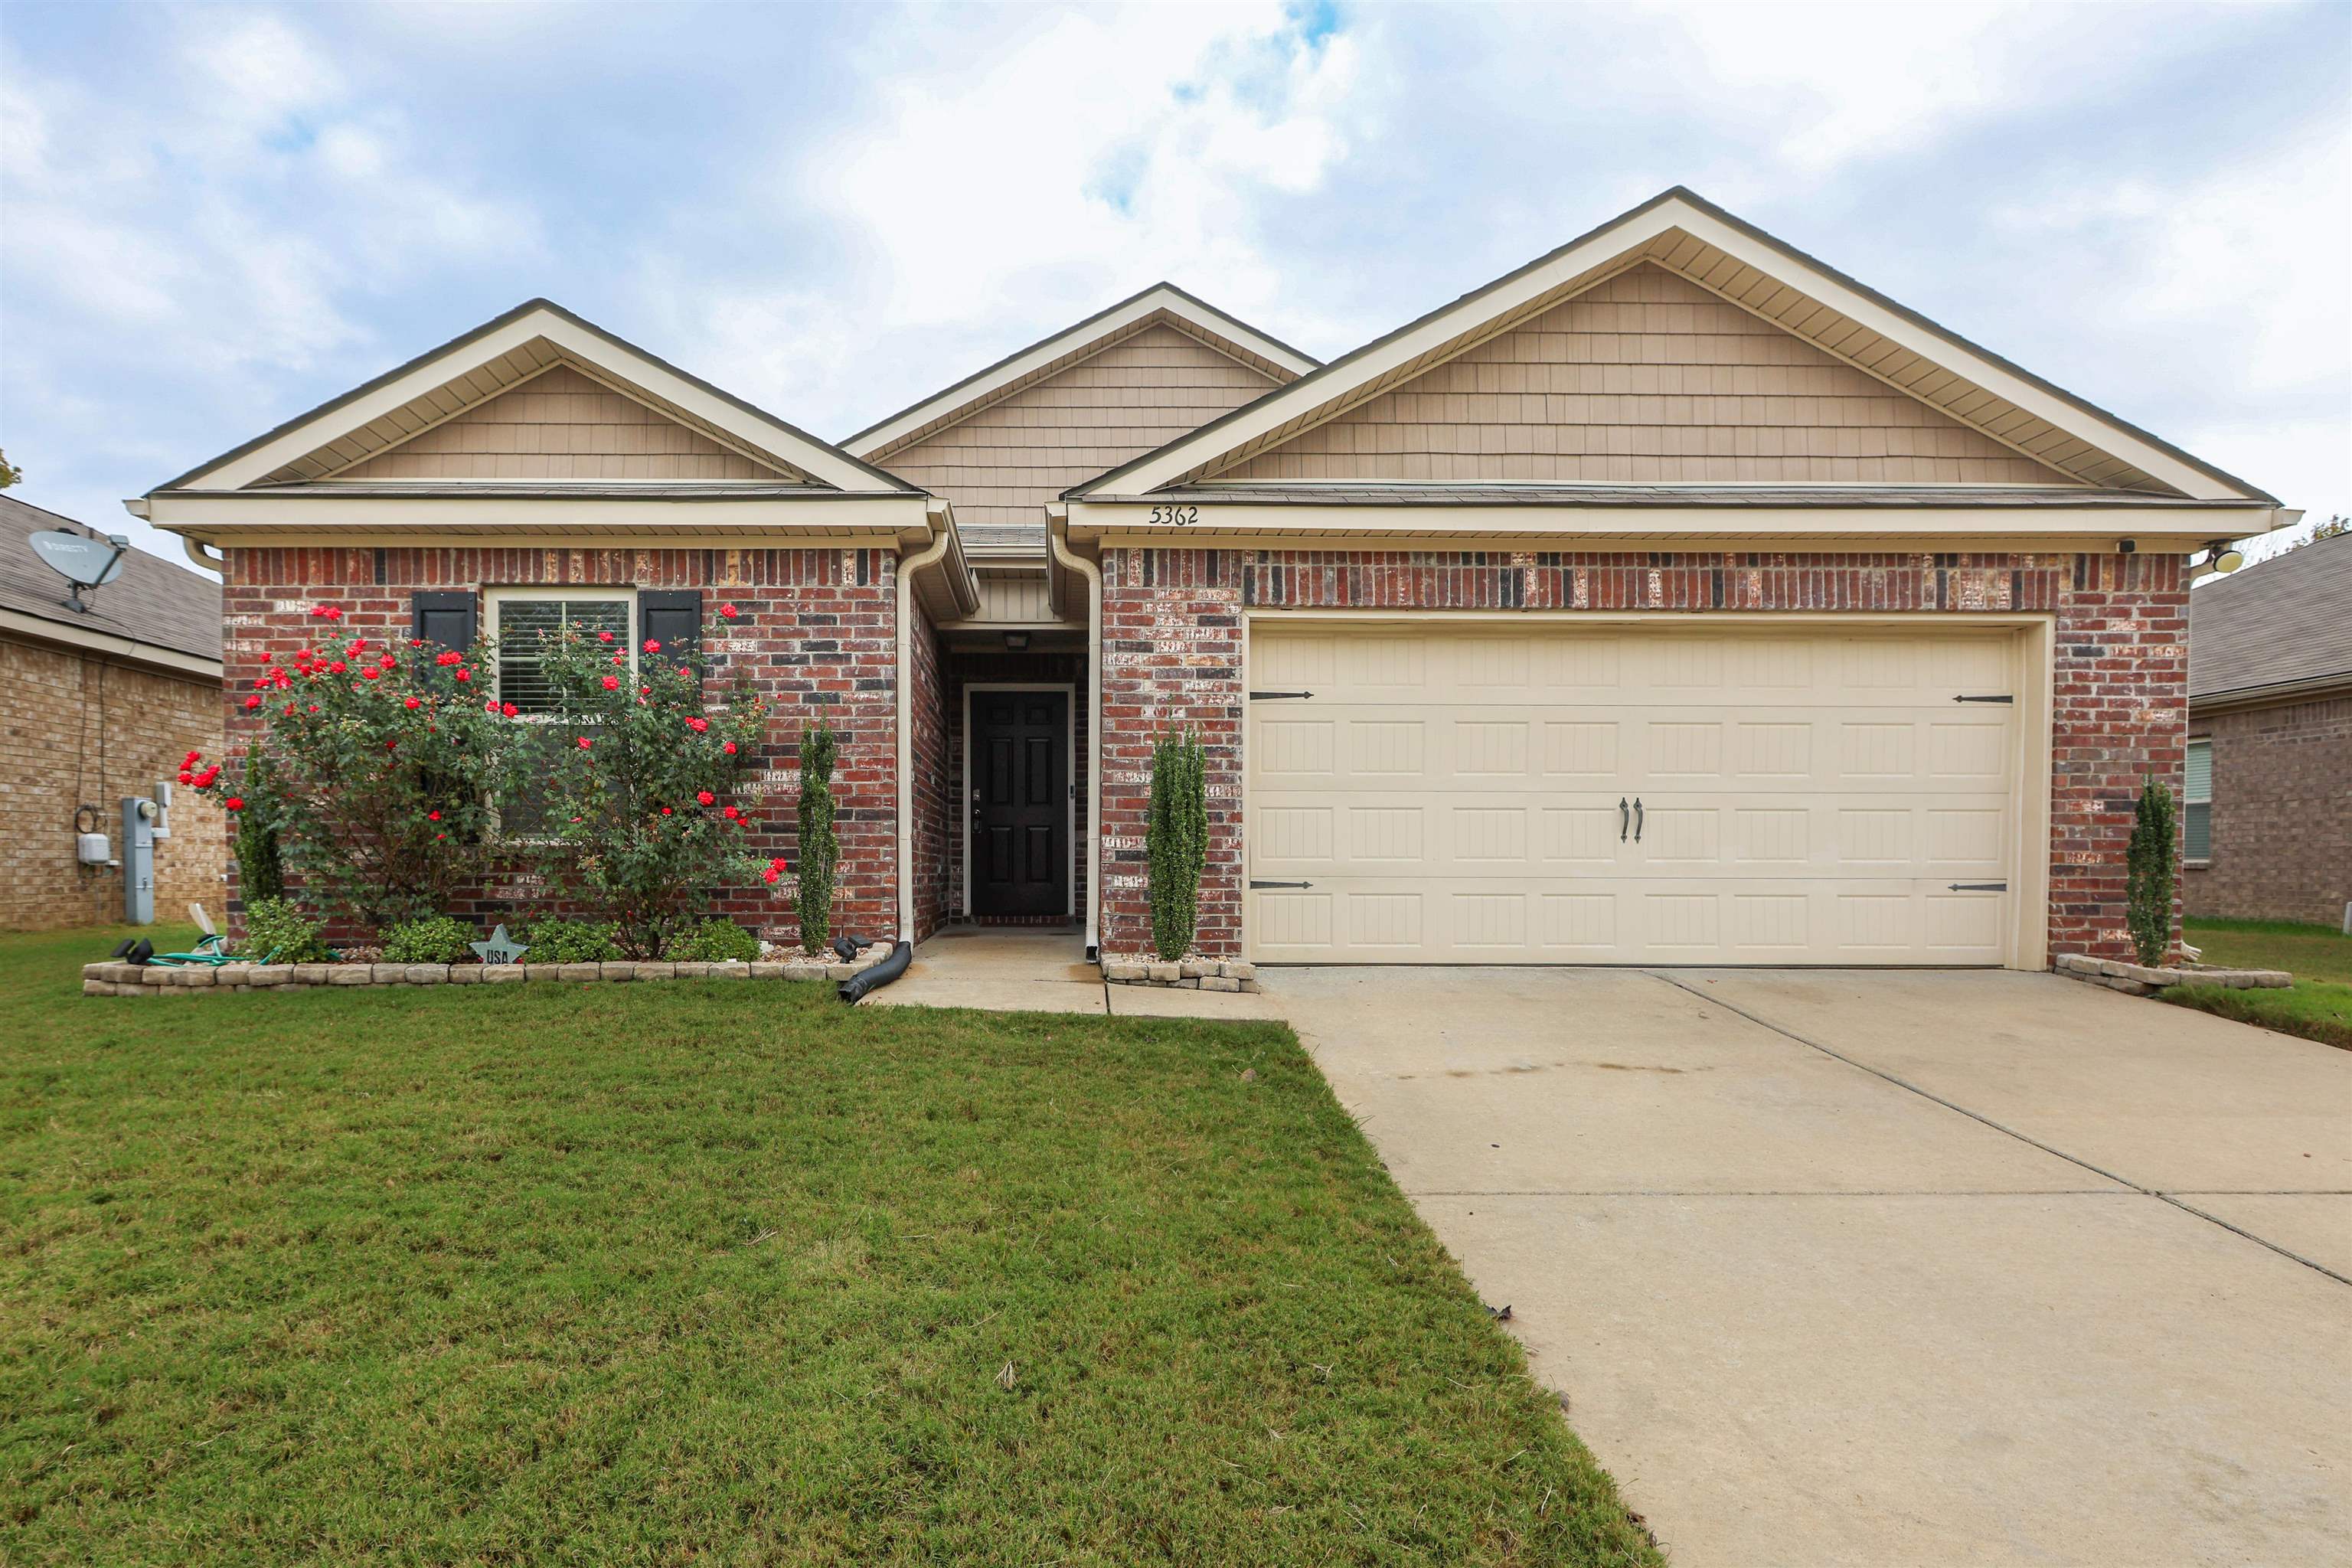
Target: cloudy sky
[{"x": 213, "y": 217}]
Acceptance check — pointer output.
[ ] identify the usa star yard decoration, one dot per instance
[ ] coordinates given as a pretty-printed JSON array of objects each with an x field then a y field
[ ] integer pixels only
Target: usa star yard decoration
[{"x": 499, "y": 949}]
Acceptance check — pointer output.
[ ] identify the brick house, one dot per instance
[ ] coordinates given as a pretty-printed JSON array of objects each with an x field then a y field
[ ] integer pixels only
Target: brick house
[
  {"x": 97, "y": 704},
  {"x": 1675, "y": 598},
  {"x": 2268, "y": 795}
]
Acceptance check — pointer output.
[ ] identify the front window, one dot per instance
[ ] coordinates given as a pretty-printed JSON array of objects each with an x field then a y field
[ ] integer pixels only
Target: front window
[
  {"x": 523, "y": 621},
  {"x": 2196, "y": 804}
]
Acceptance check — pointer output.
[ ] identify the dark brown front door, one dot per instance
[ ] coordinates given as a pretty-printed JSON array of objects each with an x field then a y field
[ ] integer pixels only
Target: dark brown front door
[{"x": 1020, "y": 803}]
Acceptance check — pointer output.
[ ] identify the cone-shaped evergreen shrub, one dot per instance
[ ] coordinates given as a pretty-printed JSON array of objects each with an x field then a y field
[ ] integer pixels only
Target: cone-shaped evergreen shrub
[
  {"x": 2148, "y": 869},
  {"x": 820, "y": 850},
  {"x": 1176, "y": 841}
]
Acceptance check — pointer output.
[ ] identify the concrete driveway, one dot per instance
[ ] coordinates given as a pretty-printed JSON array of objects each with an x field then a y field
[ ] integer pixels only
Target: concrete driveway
[{"x": 1896, "y": 1268}]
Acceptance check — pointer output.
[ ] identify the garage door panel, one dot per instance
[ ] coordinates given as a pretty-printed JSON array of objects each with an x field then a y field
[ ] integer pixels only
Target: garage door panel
[{"x": 1805, "y": 797}]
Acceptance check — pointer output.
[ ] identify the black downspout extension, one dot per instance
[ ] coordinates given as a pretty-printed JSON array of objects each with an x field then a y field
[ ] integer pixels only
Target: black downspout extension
[{"x": 867, "y": 980}]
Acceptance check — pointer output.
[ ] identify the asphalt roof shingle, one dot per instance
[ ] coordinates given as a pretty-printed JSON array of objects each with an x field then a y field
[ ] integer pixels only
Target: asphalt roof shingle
[
  {"x": 152, "y": 601},
  {"x": 2284, "y": 622}
]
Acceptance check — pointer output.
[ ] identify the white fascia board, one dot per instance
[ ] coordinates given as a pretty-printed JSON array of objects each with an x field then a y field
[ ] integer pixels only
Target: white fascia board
[
  {"x": 1598, "y": 251},
  {"x": 110, "y": 645},
  {"x": 205, "y": 515},
  {"x": 818, "y": 461},
  {"x": 982, "y": 387},
  {"x": 1444, "y": 525}
]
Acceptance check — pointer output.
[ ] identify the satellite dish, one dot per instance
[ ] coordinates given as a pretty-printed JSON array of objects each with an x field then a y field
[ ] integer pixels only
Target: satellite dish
[{"x": 84, "y": 562}]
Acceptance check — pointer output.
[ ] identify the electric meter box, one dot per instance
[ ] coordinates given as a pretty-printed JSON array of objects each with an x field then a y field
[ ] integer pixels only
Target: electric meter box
[{"x": 92, "y": 849}]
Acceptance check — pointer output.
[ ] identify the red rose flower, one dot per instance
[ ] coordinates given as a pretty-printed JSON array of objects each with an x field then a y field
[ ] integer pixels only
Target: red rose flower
[
  {"x": 410, "y": 702},
  {"x": 665, "y": 811},
  {"x": 268, "y": 658},
  {"x": 491, "y": 706},
  {"x": 733, "y": 814},
  {"x": 235, "y": 803},
  {"x": 653, "y": 645},
  {"x": 371, "y": 672},
  {"x": 339, "y": 666},
  {"x": 465, "y": 675},
  {"x": 604, "y": 636},
  {"x": 187, "y": 777},
  {"x": 253, "y": 701},
  {"x": 584, "y": 742},
  {"x": 612, "y": 683},
  {"x": 327, "y": 612},
  {"x": 771, "y": 875},
  {"x": 706, "y": 798},
  {"x": 510, "y": 709},
  {"x": 698, "y": 725},
  {"x": 432, "y": 816},
  {"x": 726, "y": 612},
  {"x": 729, "y": 748}
]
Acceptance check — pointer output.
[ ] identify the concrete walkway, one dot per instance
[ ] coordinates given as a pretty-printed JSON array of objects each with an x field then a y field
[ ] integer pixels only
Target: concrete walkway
[
  {"x": 1042, "y": 970},
  {"x": 1894, "y": 1268}
]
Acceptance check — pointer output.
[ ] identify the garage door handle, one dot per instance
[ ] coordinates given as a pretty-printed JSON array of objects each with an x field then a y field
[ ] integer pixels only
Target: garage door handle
[
  {"x": 1255, "y": 884},
  {"x": 1978, "y": 887},
  {"x": 1622, "y": 818},
  {"x": 1637, "y": 819}
]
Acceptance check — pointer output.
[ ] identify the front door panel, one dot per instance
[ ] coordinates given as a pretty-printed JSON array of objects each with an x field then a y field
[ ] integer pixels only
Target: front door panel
[{"x": 1020, "y": 803}]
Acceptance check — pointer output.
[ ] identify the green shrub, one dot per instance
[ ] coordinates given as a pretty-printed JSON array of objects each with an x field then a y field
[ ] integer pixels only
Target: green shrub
[
  {"x": 440, "y": 940},
  {"x": 2147, "y": 874},
  {"x": 820, "y": 850},
  {"x": 1176, "y": 841},
  {"x": 572, "y": 941},
  {"x": 277, "y": 932},
  {"x": 714, "y": 941},
  {"x": 260, "y": 869}
]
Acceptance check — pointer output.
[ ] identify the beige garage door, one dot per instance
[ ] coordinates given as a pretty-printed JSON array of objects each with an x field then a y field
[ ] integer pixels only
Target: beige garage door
[{"x": 1622, "y": 794}]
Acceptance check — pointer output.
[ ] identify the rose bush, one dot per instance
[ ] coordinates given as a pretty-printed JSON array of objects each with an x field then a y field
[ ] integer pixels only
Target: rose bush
[
  {"x": 381, "y": 764},
  {"x": 644, "y": 810}
]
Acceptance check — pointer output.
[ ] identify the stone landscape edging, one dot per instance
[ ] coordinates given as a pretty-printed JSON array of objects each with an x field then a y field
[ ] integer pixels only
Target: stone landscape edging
[
  {"x": 1184, "y": 973},
  {"x": 113, "y": 977},
  {"x": 2141, "y": 980}
]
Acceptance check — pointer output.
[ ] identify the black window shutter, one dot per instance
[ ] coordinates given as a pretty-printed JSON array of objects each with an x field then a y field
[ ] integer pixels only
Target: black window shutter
[
  {"x": 672, "y": 618},
  {"x": 444, "y": 620}
]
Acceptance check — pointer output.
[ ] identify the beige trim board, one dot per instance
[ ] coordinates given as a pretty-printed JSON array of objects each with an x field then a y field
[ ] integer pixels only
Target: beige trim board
[
  {"x": 2031, "y": 636},
  {"x": 1654, "y": 229},
  {"x": 2186, "y": 526},
  {"x": 210, "y": 515}
]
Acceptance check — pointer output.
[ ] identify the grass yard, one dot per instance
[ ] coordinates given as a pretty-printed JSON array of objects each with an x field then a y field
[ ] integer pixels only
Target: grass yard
[
  {"x": 717, "y": 1273},
  {"x": 2318, "y": 1005}
]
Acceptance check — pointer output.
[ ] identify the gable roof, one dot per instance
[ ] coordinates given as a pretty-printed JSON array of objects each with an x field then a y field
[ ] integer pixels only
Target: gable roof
[
  {"x": 2282, "y": 625},
  {"x": 1048, "y": 356},
  {"x": 477, "y": 365},
  {"x": 1682, "y": 233},
  {"x": 153, "y": 604}
]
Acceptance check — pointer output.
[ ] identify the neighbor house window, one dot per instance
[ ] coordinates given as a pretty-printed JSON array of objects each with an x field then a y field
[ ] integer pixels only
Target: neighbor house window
[
  {"x": 523, "y": 621},
  {"x": 2196, "y": 804}
]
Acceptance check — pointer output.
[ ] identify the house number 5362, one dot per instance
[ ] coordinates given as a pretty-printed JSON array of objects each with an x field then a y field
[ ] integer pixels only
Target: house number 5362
[{"x": 1177, "y": 516}]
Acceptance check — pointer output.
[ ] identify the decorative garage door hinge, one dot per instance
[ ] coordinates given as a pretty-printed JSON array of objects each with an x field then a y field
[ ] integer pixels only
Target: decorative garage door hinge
[
  {"x": 1264, "y": 696},
  {"x": 1979, "y": 887},
  {"x": 1255, "y": 884},
  {"x": 2003, "y": 698}
]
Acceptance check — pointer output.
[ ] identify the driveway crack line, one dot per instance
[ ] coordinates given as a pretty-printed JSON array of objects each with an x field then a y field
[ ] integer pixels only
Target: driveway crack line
[{"x": 1977, "y": 1116}]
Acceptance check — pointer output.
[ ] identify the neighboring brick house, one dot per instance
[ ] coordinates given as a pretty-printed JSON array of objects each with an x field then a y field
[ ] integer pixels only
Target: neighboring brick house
[
  {"x": 1673, "y": 599},
  {"x": 98, "y": 704},
  {"x": 2268, "y": 799}
]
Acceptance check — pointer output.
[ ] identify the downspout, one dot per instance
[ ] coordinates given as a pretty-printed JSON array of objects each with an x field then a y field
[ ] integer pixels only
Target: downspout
[
  {"x": 942, "y": 541},
  {"x": 1058, "y": 528}
]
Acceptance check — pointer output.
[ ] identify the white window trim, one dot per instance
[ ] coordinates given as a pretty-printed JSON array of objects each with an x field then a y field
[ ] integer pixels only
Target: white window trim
[
  {"x": 493, "y": 600},
  {"x": 2186, "y": 800}
]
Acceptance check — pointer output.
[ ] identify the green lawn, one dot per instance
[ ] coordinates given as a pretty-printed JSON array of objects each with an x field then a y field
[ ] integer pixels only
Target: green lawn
[
  {"x": 2318, "y": 1005},
  {"x": 727, "y": 1274}
]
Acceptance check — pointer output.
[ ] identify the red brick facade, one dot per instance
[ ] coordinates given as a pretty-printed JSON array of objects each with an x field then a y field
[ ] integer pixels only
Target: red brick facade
[
  {"x": 1174, "y": 631},
  {"x": 2281, "y": 845},
  {"x": 816, "y": 636}
]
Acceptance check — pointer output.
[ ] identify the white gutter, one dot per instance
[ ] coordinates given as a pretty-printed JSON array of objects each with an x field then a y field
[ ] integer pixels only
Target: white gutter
[
  {"x": 942, "y": 543},
  {"x": 1058, "y": 528}
]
